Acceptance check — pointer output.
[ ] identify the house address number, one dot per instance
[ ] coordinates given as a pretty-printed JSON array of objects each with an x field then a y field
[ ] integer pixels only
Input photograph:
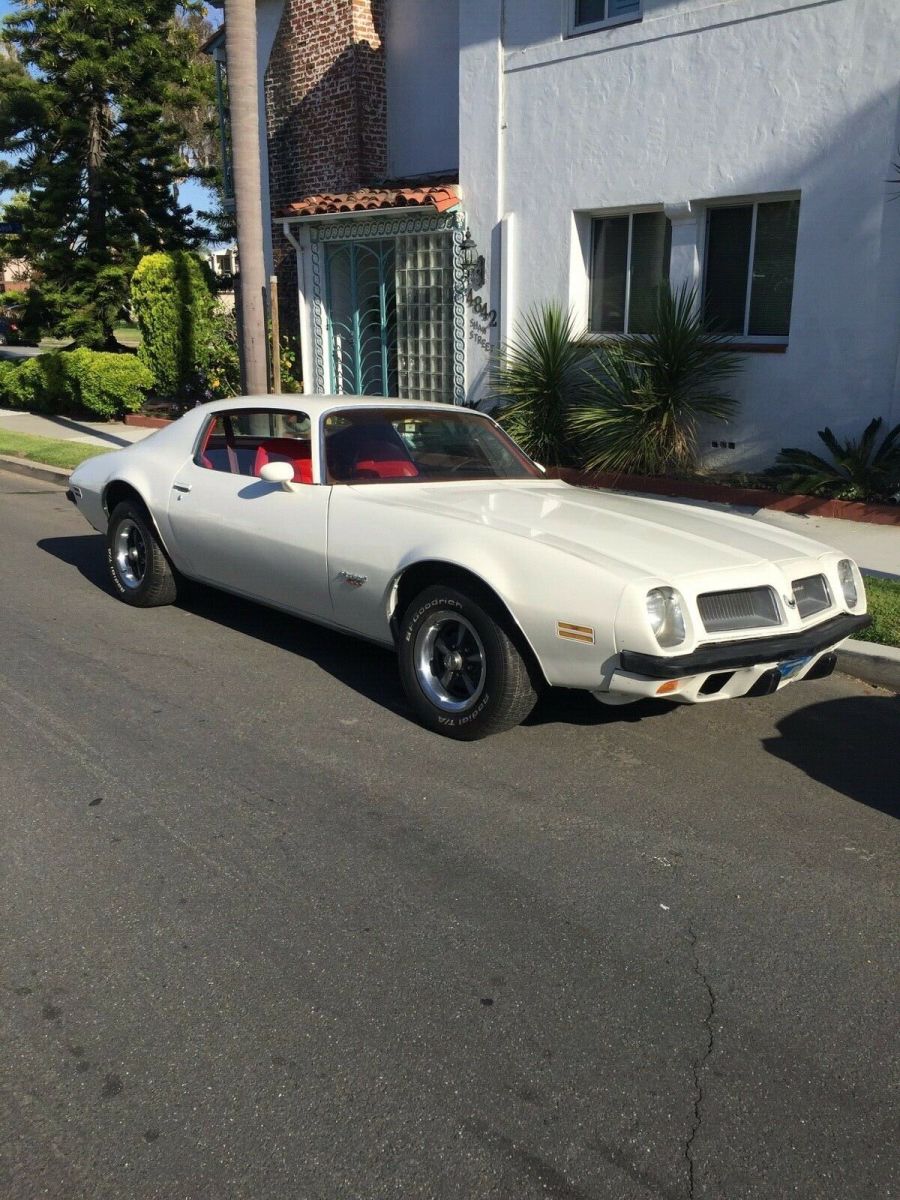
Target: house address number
[{"x": 489, "y": 315}]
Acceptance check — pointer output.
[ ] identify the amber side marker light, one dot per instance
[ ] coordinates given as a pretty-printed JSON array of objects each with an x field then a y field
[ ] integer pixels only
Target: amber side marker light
[{"x": 671, "y": 685}]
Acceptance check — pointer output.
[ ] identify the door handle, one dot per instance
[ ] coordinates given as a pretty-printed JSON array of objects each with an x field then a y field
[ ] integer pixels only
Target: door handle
[{"x": 181, "y": 487}]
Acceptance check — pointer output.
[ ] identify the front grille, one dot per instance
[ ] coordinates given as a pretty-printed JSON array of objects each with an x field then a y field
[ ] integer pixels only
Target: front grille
[
  {"x": 812, "y": 594},
  {"x": 745, "y": 608}
]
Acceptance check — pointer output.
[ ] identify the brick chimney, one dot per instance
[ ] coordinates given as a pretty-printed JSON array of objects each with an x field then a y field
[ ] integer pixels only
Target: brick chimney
[{"x": 326, "y": 110}]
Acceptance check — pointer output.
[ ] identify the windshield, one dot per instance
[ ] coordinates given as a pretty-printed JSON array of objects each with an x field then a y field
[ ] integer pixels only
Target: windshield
[{"x": 384, "y": 445}]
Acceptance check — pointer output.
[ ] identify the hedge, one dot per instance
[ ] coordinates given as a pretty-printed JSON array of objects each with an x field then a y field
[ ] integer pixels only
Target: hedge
[
  {"x": 176, "y": 313},
  {"x": 77, "y": 381}
]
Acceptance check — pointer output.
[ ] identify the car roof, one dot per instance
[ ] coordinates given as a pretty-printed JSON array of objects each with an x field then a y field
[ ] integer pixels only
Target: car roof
[{"x": 315, "y": 405}]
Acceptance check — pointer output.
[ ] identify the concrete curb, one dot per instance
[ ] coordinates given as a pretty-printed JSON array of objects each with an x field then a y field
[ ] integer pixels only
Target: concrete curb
[
  {"x": 23, "y": 466},
  {"x": 871, "y": 662}
]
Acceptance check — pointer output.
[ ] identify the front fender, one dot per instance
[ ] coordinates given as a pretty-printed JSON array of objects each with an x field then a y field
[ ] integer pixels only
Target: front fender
[{"x": 564, "y": 607}]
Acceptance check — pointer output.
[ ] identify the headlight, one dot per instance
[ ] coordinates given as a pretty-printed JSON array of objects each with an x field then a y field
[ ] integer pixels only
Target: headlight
[
  {"x": 666, "y": 617},
  {"x": 848, "y": 582}
]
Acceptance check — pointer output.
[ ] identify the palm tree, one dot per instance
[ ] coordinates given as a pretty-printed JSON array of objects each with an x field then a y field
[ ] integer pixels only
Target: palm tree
[
  {"x": 537, "y": 377},
  {"x": 858, "y": 470},
  {"x": 647, "y": 392},
  {"x": 243, "y": 107}
]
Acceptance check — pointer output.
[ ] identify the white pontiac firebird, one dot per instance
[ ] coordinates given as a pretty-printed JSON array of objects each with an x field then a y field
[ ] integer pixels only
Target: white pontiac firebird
[{"x": 425, "y": 528}]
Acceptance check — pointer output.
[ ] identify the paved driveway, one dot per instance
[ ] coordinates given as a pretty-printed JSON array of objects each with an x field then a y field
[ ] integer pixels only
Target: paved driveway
[
  {"x": 265, "y": 937},
  {"x": 14, "y": 352}
]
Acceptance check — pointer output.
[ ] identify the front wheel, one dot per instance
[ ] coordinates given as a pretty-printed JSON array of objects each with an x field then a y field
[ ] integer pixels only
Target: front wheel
[
  {"x": 461, "y": 671},
  {"x": 140, "y": 571}
]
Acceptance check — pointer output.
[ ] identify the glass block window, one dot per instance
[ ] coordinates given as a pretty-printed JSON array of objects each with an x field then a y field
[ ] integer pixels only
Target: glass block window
[
  {"x": 749, "y": 267},
  {"x": 424, "y": 291},
  {"x": 629, "y": 261}
]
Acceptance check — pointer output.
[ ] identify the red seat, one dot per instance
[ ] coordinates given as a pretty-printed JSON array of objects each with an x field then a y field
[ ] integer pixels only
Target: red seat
[
  {"x": 381, "y": 460},
  {"x": 385, "y": 469},
  {"x": 288, "y": 450}
]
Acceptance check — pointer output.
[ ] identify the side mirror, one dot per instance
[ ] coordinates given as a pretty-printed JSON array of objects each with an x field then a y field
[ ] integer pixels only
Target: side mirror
[{"x": 279, "y": 472}]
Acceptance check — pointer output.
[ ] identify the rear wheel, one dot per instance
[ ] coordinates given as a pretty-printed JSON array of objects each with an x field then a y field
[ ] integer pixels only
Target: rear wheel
[
  {"x": 461, "y": 669},
  {"x": 140, "y": 571}
]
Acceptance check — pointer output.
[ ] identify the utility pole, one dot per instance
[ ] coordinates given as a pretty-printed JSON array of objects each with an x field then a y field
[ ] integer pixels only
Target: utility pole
[{"x": 243, "y": 106}]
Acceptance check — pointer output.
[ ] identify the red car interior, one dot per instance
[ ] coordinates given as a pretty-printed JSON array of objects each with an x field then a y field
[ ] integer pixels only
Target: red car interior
[
  {"x": 380, "y": 460},
  {"x": 372, "y": 451},
  {"x": 288, "y": 450}
]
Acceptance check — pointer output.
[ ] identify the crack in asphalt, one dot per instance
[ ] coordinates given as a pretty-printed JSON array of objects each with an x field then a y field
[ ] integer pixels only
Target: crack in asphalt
[{"x": 699, "y": 1063}]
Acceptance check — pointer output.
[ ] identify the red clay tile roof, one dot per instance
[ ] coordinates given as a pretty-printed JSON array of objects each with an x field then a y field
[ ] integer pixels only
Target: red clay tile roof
[{"x": 441, "y": 198}]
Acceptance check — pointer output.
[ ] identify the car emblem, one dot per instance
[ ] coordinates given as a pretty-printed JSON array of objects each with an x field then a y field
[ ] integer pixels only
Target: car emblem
[
  {"x": 790, "y": 601},
  {"x": 355, "y": 581}
]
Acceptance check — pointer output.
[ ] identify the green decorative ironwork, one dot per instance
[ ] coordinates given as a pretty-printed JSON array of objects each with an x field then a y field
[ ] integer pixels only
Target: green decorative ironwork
[
  {"x": 362, "y": 317},
  {"x": 404, "y": 334}
]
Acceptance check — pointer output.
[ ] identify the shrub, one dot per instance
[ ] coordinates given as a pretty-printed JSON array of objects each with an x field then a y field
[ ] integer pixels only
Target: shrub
[
  {"x": 176, "y": 313},
  {"x": 647, "y": 392},
  {"x": 536, "y": 377},
  {"x": 290, "y": 365},
  {"x": 107, "y": 385},
  {"x": 217, "y": 373},
  {"x": 80, "y": 382},
  {"x": 858, "y": 470},
  {"x": 38, "y": 384}
]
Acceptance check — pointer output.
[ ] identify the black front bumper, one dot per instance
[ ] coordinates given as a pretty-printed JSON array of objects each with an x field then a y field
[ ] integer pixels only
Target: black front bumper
[{"x": 731, "y": 656}]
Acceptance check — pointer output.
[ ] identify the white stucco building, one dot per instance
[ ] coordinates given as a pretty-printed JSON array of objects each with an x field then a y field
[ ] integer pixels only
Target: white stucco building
[
  {"x": 591, "y": 148},
  {"x": 755, "y": 137}
]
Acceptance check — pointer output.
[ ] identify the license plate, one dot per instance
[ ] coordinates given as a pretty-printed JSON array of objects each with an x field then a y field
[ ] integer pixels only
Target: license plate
[{"x": 792, "y": 666}]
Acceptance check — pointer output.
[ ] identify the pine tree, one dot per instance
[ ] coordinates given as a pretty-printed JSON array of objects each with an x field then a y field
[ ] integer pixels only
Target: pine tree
[{"x": 91, "y": 126}]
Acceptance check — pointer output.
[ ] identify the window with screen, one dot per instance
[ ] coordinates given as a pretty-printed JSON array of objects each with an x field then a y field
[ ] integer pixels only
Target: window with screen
[
  {"x": 749, "y": 267},
  {"x": 593, "y": 14},
  {"x": 629, "y": 262}
]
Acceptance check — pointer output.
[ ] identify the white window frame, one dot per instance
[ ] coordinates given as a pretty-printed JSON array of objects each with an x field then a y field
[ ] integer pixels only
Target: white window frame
[
  {"x": 576, "y": 28},
  {"x": 609, "y": 214},
  {"x": 746, "y": 339}
]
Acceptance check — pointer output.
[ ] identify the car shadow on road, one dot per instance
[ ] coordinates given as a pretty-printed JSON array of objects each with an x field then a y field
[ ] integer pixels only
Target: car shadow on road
[
  {"x": 368, "y": 669},
  {"x": 849, "y": 744},
  {"x": 86, "y": 551}
]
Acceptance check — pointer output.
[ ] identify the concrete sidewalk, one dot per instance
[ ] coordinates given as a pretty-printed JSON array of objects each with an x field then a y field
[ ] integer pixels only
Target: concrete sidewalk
[
  {"x": 876, "y": 548},
  {"x": 110, "y": 434}
]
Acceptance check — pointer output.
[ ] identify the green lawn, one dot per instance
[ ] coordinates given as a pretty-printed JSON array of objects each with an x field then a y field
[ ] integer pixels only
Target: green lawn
[
  {"x": 52, "y": 451},
  {"x": 884, "y": 605}
]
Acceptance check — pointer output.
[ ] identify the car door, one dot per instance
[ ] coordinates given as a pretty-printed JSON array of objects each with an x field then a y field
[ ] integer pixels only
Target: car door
[{"x": 234, "y": 530}]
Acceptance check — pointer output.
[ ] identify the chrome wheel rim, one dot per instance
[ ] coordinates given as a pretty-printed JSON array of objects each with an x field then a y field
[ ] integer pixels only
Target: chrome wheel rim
[
  {"x": 130, "y": 554},
  {"x": 450, "y": 662}
]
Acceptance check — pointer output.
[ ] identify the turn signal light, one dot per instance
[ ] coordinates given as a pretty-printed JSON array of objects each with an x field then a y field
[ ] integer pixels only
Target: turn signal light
[{"x": 671, "y": 685}]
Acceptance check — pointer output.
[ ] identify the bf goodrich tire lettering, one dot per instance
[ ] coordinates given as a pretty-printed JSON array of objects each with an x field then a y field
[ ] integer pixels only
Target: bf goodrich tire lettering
[
  {"x": 141, "y": 574},
  {"x": 461, "y": 670}
]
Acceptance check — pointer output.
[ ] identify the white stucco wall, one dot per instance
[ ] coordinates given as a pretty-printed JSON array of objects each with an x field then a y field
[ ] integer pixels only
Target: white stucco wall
[
  {"x": 700, "y": 102},
  {"x": 422, "y": 78}
]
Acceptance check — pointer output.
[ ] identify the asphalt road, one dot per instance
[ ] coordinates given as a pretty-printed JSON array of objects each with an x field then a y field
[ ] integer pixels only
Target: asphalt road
[{"x": 263, "y": 937}]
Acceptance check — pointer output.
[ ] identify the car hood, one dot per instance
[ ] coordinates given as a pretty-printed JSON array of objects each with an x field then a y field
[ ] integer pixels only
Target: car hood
[{"x": 644, "y": 536}]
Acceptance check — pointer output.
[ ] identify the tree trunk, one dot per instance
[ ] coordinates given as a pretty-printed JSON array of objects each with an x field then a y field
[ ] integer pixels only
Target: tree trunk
[
  {"x": 96, "y": 152},
  {"x": 243, "y": 106},
  {"x": 96, "y": 237}
]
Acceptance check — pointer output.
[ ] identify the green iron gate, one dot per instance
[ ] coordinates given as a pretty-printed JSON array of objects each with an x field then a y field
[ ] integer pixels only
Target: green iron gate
[{"x": 362, "y": 317}]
